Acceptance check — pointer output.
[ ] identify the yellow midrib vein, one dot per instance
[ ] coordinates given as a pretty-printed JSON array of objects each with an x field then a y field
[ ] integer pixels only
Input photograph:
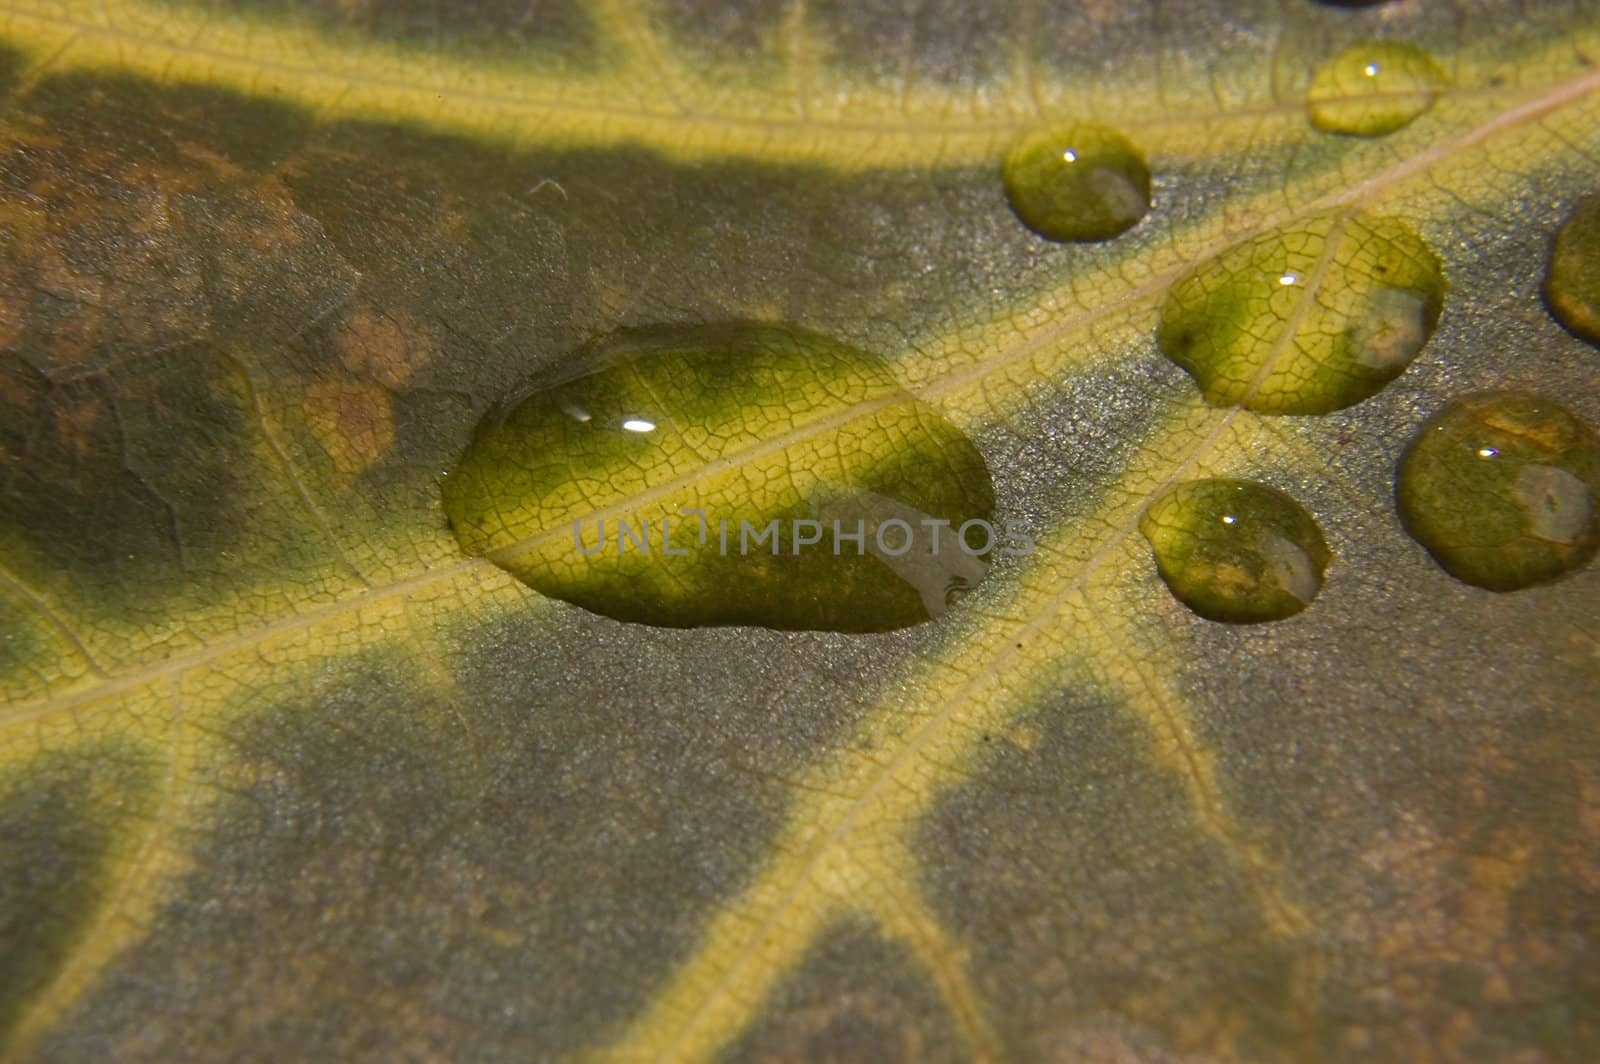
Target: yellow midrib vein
[
  {"x": 444, "y": 88},
  {"x": 1558, "y": 97}
]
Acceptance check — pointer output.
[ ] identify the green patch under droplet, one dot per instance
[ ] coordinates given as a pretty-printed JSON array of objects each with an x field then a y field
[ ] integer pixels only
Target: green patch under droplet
[
  {"x": 1501, "y": 488},
  {"x": 1080, "y": 182},
  {"x": 1572, "y": 287},
  {"x": 1235, "y": 550},
  {"x": 1308, "y": 319},
  {"x": 1374, "y": 88},
  {"x": 716, "y": 475}
]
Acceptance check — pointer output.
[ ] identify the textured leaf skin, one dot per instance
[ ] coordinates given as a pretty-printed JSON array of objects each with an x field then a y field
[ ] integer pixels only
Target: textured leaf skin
[{"x": 286, "y": 774}]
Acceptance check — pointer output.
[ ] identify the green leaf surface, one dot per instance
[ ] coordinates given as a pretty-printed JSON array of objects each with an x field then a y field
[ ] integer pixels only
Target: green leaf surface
[{"x": 287, "y": 773}]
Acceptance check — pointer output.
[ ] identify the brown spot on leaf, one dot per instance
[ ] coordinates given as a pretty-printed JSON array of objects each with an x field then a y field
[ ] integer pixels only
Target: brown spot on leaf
[
  {"x": 104, "y": 260},
  {"x": 94, "y": 260},
  {"x": 353, "y": 419},
  {"x": 388, "y": 347}
]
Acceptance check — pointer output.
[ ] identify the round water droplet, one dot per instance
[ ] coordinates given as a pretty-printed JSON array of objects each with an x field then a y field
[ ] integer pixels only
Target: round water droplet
[
  {"x": 1081, "y": 182},
  {"x": 1572, "y": 287},
  {"x": 1374, "y": 88},
  {"x": 1308, "y": 319},
  {"x": 1236, "y": 550},
  {"x": 1501, "y": 487},
  {"x": 729, "y": 474}
]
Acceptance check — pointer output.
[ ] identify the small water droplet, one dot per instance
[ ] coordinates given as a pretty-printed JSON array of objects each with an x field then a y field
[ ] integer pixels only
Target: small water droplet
[
  {"x": 727, "y": 474},
  {"x": 1374, "y": 88},
  {"x": 1078, "y": 183},
  {"x": 1572, "y": 287},
  {"x": 1529, "y": 516},
  {"x": 1361, "y": 293},
  {"x": 1262, "y": 561}
]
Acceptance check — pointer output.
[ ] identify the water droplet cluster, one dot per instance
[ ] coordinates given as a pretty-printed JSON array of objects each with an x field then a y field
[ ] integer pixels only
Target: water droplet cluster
[{"x": 760, "y": 424}]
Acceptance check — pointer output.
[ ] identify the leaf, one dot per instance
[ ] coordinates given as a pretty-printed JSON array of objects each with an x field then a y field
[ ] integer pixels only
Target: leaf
[{"x": 285, "y": 773}]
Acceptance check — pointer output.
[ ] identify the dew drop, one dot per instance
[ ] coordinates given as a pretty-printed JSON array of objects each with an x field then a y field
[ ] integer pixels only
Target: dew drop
[
  {"x": 707, "y": 475},
  {"x": 1572, "y": 287},
  {"x": 1308, "y": 319},
  {"x": 1236, "y": 550},
  {"x": 1077, "y": 183},
  {"x": 1501, "y": 488},
  {"x": 1373, "y": 88}
]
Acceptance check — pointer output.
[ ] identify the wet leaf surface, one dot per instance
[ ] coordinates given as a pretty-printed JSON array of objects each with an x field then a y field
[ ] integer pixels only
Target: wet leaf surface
[{"x": 287, "y": 773}]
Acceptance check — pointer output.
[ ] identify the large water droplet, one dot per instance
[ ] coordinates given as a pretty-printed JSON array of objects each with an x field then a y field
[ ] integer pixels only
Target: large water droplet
[
  {"x": 1236, "y": 550},
  {"x": 728, "y": 474},
  {"x": 1501, "y": 488},
  {"x": 1307, "y": 319},
  {"x": 1373, "y": 88},
  {"x": 1572, "y": 287},
  {"x": 1081, "y": 182}
]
